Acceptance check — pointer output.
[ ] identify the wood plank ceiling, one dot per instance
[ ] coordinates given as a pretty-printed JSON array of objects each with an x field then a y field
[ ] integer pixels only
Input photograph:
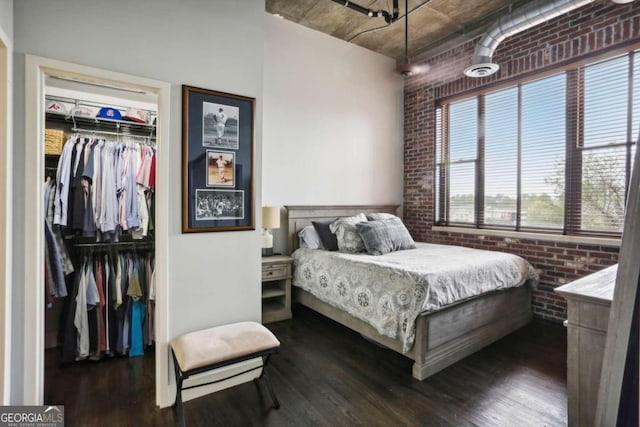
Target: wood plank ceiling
[{"x": 432, "y": 23}]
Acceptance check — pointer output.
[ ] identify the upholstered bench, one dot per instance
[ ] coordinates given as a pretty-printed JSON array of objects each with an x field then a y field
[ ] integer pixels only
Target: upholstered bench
[{"x": 202, "y": 351}]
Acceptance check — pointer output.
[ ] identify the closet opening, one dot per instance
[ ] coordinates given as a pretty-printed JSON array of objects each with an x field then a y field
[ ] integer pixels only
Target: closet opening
[
  {"x": 100, "y": 169},
  {"x": 94, "y": 162}
]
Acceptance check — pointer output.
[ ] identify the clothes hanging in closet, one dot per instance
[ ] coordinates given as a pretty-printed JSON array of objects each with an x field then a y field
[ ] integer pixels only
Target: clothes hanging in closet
[
  {"x": 104, "y": 188},
  {"x": 112, "y": 307},
  {"x": 57, "y": 261}
]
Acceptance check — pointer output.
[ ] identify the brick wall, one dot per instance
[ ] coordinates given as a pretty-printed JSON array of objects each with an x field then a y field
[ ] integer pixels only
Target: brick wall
[{"x": 591, "y": 29}]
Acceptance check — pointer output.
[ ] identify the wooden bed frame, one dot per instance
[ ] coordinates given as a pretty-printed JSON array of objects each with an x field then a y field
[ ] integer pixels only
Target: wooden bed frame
[{"x": 443, "y": 337}]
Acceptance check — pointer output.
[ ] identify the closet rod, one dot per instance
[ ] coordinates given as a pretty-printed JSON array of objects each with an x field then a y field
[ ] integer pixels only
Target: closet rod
[
  {"x": 112, "y": 244},
  {"x": 117, "y": 122},
  {"x": 105, "y": 132}
]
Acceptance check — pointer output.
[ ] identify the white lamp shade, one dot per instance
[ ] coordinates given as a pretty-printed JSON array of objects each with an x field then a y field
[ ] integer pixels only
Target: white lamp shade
[{"x": 270, "y": 217}]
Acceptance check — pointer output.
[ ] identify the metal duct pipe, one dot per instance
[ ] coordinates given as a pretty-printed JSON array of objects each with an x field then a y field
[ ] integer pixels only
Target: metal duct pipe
[{"x": 519, "y": 20}]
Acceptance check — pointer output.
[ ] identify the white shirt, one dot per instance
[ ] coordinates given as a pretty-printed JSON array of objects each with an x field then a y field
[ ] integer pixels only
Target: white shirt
[{"x": 61, "y": 198}]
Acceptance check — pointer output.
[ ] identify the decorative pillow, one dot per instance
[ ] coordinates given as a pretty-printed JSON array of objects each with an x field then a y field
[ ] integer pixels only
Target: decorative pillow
[
  {"x": 309, "y": 238},
  {"x": 384, "y": 236},
  {"x": 327, "y": 238},
  {"x": 377, "y": 216},
  {"x": 349, "y": 239}
]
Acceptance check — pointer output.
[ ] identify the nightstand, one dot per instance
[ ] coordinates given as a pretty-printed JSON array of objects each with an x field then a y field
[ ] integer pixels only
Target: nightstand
[{"x": 276, "y": 288}]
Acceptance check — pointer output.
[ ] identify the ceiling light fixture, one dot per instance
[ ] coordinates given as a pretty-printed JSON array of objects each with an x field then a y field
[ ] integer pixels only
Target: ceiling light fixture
[{"x": 406, "y": 69}]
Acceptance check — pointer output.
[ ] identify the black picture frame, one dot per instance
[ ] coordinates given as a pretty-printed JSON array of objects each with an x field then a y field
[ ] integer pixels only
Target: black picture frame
[{"x": 217, "y": 195}]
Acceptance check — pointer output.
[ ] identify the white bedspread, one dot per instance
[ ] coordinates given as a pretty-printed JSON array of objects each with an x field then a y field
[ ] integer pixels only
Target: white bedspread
[{"x": 390, "y": 291}]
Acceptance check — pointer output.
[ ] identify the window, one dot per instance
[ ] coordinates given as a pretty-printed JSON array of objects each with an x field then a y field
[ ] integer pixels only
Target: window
[
  {"x": 501, "y": 158},
  {"x": 463, "y": 155},
  {"x": 551, "y": 154},
  {"x": 604, "y": 147},
  {"x": 439, "y": 166},
  {"x": 543, "y": 152}
]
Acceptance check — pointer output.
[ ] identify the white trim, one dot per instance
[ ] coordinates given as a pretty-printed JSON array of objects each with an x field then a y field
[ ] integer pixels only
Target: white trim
[
  {"x": 36, "y": 68},
  {"x": 33, "y": 352},
  {"x": 581, "y": 240},
  {"x": 6, "y": 190},
  {"x": 163, "y": 389}
]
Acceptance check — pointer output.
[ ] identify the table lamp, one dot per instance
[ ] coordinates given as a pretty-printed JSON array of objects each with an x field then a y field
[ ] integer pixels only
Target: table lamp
[{"x": 270, "y": 219}]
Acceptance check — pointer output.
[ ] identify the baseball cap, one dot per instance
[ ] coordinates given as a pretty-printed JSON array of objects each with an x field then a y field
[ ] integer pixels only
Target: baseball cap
[
  {"x": 56, "y": 107},
  {"x": 80, "y": 112},
  {"x": 109, "y": 113},
  {"x": 136, "y": 115}
]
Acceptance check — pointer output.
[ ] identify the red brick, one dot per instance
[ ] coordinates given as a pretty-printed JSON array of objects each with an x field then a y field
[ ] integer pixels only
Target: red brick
[{"x": 596, "y": 26}]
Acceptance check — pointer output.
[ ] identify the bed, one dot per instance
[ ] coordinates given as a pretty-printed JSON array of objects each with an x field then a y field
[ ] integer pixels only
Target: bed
[{"x": 433, "y": 331}]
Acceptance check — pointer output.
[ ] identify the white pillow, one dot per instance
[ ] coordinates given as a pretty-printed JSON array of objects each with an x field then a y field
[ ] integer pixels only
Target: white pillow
[
  {"x": 377, "y": 216},
  {"x": 309, "y": 238},
  {"x": 349, "y": 239}
]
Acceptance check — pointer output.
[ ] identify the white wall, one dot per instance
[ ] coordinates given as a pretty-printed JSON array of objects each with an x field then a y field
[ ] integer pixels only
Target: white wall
[
  {"x": 333, "y": 124},
  {"x": 6, "y": 17},
  {"x": 6, "y": 143},
  {"x": 214, "y": 278}
]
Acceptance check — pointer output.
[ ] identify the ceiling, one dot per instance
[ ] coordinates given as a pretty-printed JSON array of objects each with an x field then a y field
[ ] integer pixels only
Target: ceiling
[{"x": 433, "y": 24}]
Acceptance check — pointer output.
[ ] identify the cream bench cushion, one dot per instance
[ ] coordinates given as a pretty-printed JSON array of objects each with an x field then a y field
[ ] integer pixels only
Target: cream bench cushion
[{"x": 222, "y": 343}]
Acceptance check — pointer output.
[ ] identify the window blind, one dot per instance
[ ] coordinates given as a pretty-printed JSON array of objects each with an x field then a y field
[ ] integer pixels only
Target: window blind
[
  {"x": 553, "y": 153},
  {"x": 439, "y": 166},
  {"x": 604, "y": 145},
  {"x": 543, "y": 152},
  {"x": 607, "y": 143},
  {"x": 501, "y": 155},
  {"x": 463, "y": 148},
  {"x": 635, "y": 130}
]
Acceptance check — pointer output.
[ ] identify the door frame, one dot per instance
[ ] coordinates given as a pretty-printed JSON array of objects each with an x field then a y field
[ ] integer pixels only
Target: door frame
[
  {"x": 36, "y": 69},
  {"x": 6, "y": 186}
]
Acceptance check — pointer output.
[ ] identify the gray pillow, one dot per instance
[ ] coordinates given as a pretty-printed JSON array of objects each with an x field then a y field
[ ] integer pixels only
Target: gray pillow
[
  {"x": 309, "y": 238},
  {"x": 348, "y": 237},
  {"x": 328, "y": 239},
  {"x": 384, "y": 236}
]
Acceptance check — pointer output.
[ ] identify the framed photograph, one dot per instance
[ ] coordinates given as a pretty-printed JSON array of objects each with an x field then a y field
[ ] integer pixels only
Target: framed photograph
[
  {"x": 217, "y": 161},
  {"x": 221, "y": 166},
  {"x": 219, "y": 204},
  {"x": 220, "y": 125}
]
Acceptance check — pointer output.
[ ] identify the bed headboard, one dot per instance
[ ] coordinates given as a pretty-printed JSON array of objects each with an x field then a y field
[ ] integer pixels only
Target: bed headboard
[{"x": 301, "y": 216}]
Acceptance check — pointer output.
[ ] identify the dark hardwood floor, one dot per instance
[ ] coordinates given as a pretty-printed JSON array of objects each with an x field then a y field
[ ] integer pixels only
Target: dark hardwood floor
[{"x": 327, "y": 375}]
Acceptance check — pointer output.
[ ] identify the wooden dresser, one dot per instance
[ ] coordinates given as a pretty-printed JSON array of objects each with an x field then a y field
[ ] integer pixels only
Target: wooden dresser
[{"x": 588, "y": 305}]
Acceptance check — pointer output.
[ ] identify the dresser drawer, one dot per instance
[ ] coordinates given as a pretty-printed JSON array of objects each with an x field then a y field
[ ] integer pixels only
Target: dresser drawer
[{"x": 273, "y": 272}]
